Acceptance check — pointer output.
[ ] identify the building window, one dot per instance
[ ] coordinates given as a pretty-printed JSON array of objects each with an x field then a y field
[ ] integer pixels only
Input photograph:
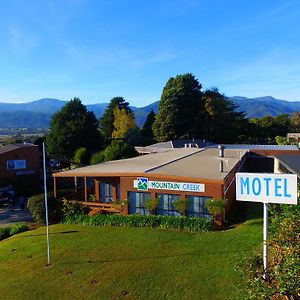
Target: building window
[
  {"x": 197, "y": 208},
  {"x": 137, "y": 203},
  {"x": 165, "y": 205}
]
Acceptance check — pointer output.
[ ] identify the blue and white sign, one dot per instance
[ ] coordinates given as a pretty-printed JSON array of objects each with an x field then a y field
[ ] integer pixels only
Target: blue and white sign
[
  {"x": 268, "y": 188},
  {"x": 16, "y": 164},
  {"x": 144, "y": 184}
]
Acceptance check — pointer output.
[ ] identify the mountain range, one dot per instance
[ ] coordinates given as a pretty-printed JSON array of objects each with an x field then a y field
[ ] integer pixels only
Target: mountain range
[{"x": 37, "y": 114}]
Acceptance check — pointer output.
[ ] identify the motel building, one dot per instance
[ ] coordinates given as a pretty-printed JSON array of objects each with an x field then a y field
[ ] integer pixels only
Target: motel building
[{"x": 195, "y": 172}]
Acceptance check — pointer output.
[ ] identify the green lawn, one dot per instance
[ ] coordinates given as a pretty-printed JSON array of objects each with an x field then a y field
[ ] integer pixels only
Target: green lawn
[{"x": 90, "y": 262}]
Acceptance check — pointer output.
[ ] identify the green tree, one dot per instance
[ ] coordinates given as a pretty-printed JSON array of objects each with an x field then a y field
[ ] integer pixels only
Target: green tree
[
  {"x": 180, "y": 109},
  {"x": 133, "y": 137},
  {"x": 119, "y": 149},
  {"x": 97, "y": 158},
  {"x": 106, "y": 122},
  {"x": 282, "y": 123},
  {"x": 71, "y": 128},
  {"x": 281, "y": 140},
  {"x": 81, "y": 156},
  {"x": 223, "y": 124},
  {"x": 147, "y": 131},
  {"x": 295, "y": 122},
  {"x": 268, "y": 127}
]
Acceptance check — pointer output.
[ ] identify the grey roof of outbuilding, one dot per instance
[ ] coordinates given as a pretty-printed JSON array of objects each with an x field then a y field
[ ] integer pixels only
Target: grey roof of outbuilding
[
  {"x": 170, "y": 145},
  {"x": 260, "y": 147},
  {"x": 291, "y": 162},
  {"x": 11, "y": 147}
]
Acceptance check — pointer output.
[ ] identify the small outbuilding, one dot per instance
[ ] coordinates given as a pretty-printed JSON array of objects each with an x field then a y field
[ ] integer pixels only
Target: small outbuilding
[{"x": 19, "y": 164}]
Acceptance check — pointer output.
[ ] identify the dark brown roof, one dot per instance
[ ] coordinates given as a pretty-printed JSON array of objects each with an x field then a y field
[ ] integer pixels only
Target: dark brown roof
[
  {"x": 291, "y": 162},
  {"x": 11, "y": 147}
]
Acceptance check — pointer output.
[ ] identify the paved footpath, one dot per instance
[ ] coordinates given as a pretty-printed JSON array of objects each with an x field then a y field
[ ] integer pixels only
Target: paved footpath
[{"x": 10, "y": 216}]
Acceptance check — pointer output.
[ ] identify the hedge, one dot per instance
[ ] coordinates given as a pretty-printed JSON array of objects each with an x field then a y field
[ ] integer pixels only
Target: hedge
[
  {"x": 8, "y": 231},
  {"x": 153, "y": 221}
]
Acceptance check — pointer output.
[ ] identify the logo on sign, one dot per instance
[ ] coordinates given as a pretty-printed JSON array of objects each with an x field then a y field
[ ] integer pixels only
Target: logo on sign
[{"x": 142, "y": 184}]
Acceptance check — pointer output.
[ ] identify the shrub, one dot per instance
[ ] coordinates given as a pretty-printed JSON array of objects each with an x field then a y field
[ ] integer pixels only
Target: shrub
[
  {"x": 70, "y": 208},
  {"x": 8, "y": 231},
  {"x": 36, "y": 205},
  {"x": 18, "y": 228},
  {"x": 181, "y": 205},
  {"x": 119, "y": 149},
  {"x": 284, "y": 259},
  {"x": 216, "y": 207},
  {"x": 97, "y": 158},
  {"x": 4, "y": 233},
  {"x": 92, "y": 197},
  {"x": 165, "y": 222},
  {"x": 152, "y": 205}
]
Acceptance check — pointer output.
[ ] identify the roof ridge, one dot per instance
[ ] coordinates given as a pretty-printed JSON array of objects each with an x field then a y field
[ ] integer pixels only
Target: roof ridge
[{"x": 176, "y": 159}]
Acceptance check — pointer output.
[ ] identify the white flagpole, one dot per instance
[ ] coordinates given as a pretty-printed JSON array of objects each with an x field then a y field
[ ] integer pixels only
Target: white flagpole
[{"x": 46, "y": 204}]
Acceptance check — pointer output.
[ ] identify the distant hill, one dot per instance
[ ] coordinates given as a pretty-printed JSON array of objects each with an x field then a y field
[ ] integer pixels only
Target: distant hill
[
  {"x": 142, "y": 112},
  {"x": 46, "y": 105},
  {"x": 263, "y": 106},
  {"x": 37, "y": 114}
]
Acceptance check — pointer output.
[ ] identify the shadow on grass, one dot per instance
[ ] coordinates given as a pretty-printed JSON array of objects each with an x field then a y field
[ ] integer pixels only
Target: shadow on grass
[
  {"x": 244, "y": 211},
  {"x": 154, "y": 257},
  {"x": 50, "y": 233}
]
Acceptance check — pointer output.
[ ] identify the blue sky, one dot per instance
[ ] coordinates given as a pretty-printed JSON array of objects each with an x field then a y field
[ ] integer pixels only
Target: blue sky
[{"x": 98, "y": 49}]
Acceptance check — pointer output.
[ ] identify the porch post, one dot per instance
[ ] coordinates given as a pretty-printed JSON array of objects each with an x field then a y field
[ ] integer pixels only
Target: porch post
[
  {"x": 114, "y": 191},
  {"x": 75, "y": 184},
  {"x": 85, "y": 190},
  {"x": 54, "y": 187},
  {"x": 97, "y": 189}
]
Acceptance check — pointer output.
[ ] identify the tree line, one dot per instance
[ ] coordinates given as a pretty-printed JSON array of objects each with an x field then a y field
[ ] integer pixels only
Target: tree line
[{"x": 185, "y": 112}]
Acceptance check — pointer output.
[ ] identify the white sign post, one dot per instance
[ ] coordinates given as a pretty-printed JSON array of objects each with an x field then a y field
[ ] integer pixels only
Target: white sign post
[{"x": 266, "y": 188}]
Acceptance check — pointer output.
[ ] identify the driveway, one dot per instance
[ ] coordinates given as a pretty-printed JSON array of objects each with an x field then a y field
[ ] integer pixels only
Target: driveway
[{"x": 10, "y": 216}]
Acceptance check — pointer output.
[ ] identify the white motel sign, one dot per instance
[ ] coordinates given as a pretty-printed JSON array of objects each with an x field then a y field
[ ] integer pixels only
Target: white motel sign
[
  {"x": 266, "y": 188},
  {"x": 269, "y": 188}
]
